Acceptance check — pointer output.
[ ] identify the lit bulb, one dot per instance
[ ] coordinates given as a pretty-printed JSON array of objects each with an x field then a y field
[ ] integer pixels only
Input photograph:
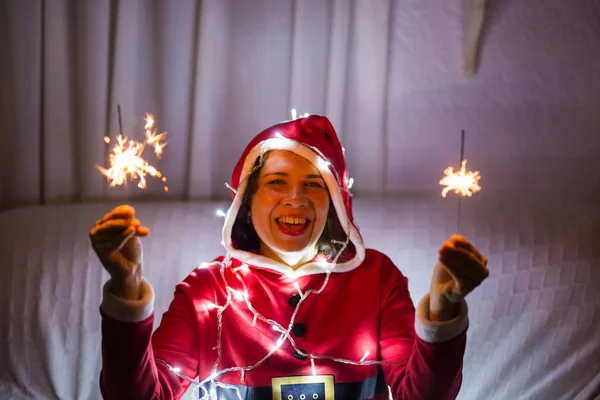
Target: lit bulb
[
  {"x": 221, "y": 213},
  {"x": 364, "y": 357}
]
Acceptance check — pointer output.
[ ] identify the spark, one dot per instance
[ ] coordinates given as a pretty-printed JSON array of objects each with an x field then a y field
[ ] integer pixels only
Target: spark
[
  {"x": 153, "y": 139},
  {"x": 462, "y": 182},
  {"x": 126, "y": 161}
]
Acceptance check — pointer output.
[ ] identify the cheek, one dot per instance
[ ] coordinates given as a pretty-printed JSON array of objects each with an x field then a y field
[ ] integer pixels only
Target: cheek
[{"x": 323, "y": 207}]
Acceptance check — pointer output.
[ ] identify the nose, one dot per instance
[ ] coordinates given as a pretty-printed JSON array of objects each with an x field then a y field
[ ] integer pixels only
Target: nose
[{"x": 296, "y": 197}]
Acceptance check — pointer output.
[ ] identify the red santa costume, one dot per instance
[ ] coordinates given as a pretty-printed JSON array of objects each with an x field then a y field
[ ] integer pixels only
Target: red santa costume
[{"x": 250, "y": 327}]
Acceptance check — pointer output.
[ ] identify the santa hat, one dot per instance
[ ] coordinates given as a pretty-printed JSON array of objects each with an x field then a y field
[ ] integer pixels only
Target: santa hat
[{"x": 314, "y": 138}]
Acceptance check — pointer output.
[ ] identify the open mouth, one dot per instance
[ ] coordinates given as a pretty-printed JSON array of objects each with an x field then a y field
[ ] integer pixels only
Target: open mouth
[{"x": 292, "y": 225}]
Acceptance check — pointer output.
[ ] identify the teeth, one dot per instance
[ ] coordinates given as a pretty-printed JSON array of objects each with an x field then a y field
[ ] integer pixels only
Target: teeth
[{"x": 292, "y": 220}]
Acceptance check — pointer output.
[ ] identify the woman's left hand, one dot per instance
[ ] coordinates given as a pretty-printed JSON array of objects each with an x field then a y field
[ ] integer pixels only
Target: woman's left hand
[{"x": 461, "y": 268}]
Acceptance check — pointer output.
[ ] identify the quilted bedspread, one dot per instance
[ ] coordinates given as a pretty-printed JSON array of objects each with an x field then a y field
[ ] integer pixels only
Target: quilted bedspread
[{"x": 534, "y": 323}]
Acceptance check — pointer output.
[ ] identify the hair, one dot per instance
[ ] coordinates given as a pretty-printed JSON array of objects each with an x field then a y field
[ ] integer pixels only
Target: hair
[{"x": 244, "y": 235}]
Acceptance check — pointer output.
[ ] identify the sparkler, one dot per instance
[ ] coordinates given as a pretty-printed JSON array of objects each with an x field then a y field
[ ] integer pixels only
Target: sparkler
[
  {"x": 126, "y": 159},
  {"x": 462, "y": 182}
]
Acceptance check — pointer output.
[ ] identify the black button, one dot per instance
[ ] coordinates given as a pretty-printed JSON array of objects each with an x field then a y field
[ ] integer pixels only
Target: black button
[
  {"x": 294, "y": 300},
  {"x": 300, "y": 356},
  {"x": 299, "y": 329}
]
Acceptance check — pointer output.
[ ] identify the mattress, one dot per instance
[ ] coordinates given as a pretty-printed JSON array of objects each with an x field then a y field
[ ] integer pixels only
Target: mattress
[{"x": 534, "y": 323}]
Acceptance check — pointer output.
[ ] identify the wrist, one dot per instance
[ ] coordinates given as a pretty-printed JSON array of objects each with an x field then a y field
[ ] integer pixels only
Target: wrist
[
  {"x": 128, "y": 288},
  {"x": 442, "y": 309}
]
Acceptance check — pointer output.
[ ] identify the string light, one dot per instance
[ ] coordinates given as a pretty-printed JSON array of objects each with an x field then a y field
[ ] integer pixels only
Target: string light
[
  {"x": 294, "y": 114},
  {"x": 221, "y": 213},
  {"x": 209, "y": 385},
  {"x": 350, "y": 183}
]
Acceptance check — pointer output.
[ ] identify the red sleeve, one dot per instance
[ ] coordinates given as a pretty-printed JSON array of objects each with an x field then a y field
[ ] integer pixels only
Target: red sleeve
[
  {"x": 129, "y": 369},
  {"x": 424, "y": 370}
]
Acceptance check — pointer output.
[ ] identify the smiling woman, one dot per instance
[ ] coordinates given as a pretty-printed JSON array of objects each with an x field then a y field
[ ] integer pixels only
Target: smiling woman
[
  {"x": 296, "y": 305},
  {"x": 287, "y": 204}
]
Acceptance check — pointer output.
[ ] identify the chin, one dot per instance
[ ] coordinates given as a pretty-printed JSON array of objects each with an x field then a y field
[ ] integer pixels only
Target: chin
[{"x": 294, "y": 250}]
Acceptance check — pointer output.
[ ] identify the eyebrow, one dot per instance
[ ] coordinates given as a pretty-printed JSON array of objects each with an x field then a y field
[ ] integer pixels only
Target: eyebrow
[{"x": 310, "y": 176}]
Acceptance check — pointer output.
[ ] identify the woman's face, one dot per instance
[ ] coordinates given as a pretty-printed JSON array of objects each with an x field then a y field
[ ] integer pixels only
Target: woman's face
[{"x": 289, "y": 209}]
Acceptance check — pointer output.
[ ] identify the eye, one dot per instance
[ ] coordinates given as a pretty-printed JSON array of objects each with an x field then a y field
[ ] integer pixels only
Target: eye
[
  {"x": 315, "y": 184},
  {"x": 276, "y": 182}
]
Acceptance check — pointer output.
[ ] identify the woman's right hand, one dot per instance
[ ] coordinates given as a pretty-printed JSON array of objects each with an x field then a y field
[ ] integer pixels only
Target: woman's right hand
[{"x": 115, "y": 239}]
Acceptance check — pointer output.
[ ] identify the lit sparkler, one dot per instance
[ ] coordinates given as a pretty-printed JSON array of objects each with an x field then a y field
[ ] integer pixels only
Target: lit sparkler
[
  {"x": 126, "y": 159},
  {"x": 462, "y": 182}
]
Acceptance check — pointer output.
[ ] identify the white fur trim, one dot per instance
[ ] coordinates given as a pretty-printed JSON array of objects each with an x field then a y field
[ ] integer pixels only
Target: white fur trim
[
  {"x": 336, "y": 197},
  {"x": 128, "y": 310},
  {"x": 439, "y": 331}
]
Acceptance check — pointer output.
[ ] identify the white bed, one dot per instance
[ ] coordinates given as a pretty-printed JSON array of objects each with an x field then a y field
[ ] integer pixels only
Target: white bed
[{"x": 535, "y": 323}]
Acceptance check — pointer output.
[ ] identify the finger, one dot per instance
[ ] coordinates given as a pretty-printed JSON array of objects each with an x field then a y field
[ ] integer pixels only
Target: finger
[
  {"x": 112, "y": 236},
  {"x": 126, "y": 238},
  {"x": 120, "y": 212},
  {"x": 460, "y": 241},
  {"x": 112, "y": 240},
  {"x": 463, "y": 264},
  {"x": 463, "y": 243},
  {"x": 114, "y": 226},
  {"x": 459, "y": 255},
  {"x": 106, "y": 247}
]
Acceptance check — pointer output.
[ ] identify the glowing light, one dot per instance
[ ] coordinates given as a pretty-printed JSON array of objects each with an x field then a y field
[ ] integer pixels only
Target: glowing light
[
  {"x": 462, "y": 182},
  {"x": 126, "y": 163},
  {"x": 239, "y": 296},
  {"x": 153, "y": 139},
  {"x": 365, "y": 356},
  {"x": 279, "y": 342},
  {"x": 221, "y": 213},
  {"x": 213, "y": 306},
  {"x": 126, "y": 159},
  {"x": 210, "y": 392},
  {"x": 294, "y": 114},
  {"x": 298, "y": 288},
  {"x": 350, "y": 183}
]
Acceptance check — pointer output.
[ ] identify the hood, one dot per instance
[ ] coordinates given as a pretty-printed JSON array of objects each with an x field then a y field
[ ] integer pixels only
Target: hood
[{"x": 313, "y": 138}]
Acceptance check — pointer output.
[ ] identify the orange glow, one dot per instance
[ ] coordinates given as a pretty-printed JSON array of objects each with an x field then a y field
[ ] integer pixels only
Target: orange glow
[
  {"x": 462, "y": 182},
  {"x": 126, "y": 162}
]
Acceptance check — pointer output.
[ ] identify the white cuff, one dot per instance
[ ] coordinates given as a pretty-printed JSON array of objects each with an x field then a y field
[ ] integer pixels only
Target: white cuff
[
  {"x": 128, "y": 310},
  {"x": 439, "y": 331}
]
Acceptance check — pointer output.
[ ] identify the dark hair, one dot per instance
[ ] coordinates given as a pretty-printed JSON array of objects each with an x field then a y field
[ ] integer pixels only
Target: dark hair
[{"x": 244, "y": 235}]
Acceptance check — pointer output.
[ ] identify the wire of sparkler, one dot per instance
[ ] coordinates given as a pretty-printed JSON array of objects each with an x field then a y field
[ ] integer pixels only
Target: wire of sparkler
[
  {"x": 120, "y": 120},
  {"x": 462, "y": 157}
]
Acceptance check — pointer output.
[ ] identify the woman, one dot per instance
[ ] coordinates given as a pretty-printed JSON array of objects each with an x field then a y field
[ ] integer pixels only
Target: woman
[{"x": 297, "y": 308}]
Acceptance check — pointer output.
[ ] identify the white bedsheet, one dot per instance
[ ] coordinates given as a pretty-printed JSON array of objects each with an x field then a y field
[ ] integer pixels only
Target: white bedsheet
[{"x": 535, "y": 323}]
